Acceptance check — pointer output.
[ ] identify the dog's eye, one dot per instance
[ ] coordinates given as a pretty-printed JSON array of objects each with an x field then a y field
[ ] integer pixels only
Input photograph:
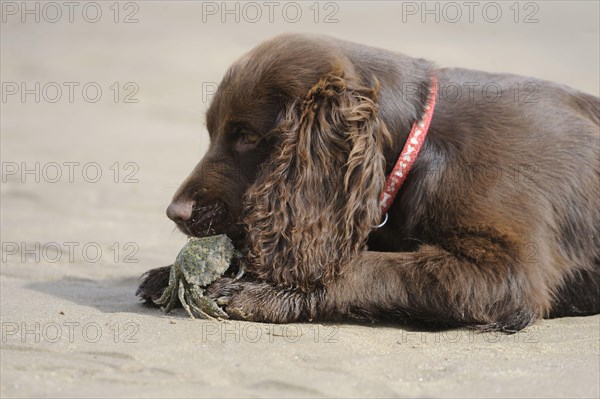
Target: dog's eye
[{"x": 249, "y": 138}]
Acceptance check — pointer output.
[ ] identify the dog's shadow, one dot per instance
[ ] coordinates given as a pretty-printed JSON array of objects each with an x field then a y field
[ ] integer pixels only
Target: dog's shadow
[{"x": 115, "y": 295}]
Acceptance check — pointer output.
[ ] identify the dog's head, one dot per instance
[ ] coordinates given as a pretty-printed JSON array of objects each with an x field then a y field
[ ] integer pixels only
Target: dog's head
[{"x": 295, "y": 164}]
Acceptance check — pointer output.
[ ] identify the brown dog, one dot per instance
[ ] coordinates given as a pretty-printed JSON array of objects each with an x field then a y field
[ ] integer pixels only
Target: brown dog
[{"x": 497, "y": 224}]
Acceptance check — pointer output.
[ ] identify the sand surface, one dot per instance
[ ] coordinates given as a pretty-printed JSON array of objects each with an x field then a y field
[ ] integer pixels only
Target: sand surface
[{"x": 85, "y": 184}]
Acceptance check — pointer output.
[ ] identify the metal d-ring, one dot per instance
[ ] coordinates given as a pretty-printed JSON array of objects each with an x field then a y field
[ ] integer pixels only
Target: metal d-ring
[{"x": 382, "y": 223}]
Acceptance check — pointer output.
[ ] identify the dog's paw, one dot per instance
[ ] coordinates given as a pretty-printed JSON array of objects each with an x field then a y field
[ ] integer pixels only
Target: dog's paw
[
  {"x": 152, "y": 284},
  {"x": 261, "y": 301},
  {"x": 238, "y": 298}
]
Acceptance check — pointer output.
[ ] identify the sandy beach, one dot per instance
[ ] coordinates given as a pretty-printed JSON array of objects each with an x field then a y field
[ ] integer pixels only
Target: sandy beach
[{"x": 102, "y": 116}]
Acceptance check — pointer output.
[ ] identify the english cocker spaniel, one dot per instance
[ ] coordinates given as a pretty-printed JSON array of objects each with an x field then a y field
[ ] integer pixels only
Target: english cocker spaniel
[{"x": 363, "y": 183}]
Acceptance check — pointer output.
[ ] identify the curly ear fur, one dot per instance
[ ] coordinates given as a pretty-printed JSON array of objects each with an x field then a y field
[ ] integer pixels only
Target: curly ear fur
[{"x": 317, "y": 198}]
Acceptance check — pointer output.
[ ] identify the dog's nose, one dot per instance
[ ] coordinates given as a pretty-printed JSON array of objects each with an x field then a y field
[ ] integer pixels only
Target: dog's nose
[{"x": 180, "y": 210}]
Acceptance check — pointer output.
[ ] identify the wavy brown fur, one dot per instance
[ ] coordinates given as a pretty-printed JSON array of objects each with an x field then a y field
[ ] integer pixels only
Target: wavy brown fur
[
  {"x": 316, "y": 201},
  {"x": 304, "y": 130}
]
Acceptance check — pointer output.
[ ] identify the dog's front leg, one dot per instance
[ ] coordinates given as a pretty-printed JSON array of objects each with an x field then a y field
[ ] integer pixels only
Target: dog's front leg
[
  {"x": 490, "y": 290},
  {"x": 486, "y": 288},
  {"x": 263, "y": 302}
]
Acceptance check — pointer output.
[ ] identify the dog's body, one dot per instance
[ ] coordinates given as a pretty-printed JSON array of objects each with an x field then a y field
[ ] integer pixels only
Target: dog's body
[{"x": 496, "y": 225}]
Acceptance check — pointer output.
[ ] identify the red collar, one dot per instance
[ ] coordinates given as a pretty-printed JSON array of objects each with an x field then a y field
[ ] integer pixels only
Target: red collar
[{"x": 409, "y": 153}]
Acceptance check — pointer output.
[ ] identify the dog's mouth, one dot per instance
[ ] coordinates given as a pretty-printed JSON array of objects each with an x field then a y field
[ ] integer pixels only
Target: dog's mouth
[
  {"x": 212, "y": 219},
  {"x": 208, "y": 220}
]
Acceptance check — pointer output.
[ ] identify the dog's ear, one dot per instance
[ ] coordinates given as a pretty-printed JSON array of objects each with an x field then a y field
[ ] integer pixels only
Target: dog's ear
[{"x": 317, "y": 198}]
